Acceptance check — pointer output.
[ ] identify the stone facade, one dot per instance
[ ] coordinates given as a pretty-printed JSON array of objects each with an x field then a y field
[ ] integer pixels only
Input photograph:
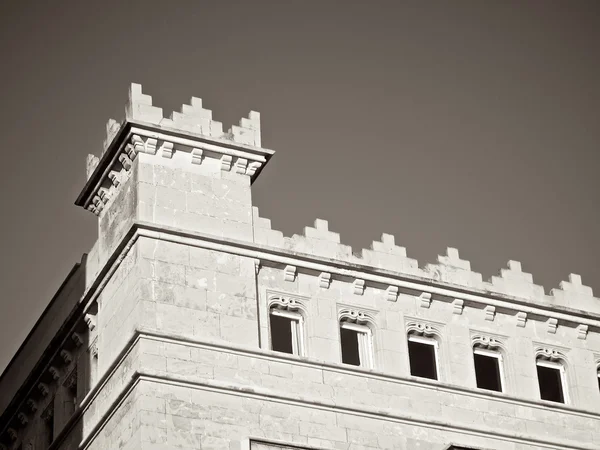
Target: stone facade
[{"x": 163, "y": 336}]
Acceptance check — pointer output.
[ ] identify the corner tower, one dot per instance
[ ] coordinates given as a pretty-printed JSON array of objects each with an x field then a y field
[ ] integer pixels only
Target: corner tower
[{"x": 186, "y": 175}]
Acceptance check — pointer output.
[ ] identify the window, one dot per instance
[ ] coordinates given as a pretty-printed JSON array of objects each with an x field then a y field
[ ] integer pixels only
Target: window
[
  {"x": 286, "y": 331},
  {"x": 488, "y": 369},
  {"x": 551, "y": 379},
  {"x": 357, "y": 344},
  {"x": 598, "y": 378},
  {"x": 422, "y": 355}
]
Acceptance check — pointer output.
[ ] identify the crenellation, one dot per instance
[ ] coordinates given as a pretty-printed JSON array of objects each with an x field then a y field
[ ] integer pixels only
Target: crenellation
[
  {"x": 112, "y": 128},
  {"x": 450, "y": 268},
  {"x": 198, "y": 325},
  {"x": 490, "y": 313},
  {"x": 516, "y": 283},
  {"x": 139, "y": 107},
  {"x": 385, "y": 254}
]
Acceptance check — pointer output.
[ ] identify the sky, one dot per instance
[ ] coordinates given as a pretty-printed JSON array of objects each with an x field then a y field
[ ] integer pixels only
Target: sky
[{"x": 462, "y": 124}]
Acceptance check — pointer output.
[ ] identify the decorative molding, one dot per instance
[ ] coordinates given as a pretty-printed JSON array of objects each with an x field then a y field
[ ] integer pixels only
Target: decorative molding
[
  {"x": 226, "y": 162},
  {"x": 324, "y": 280},
  {"x": 197, "y": 155},
  {"x": 359, "y": 286},
  {"x": 458, "y": 306},
  {"x": 94, "y": 348},
  {"x": 141, "y": 146},
  {"x": 286, "y": 301},
  {"x": 355, "y": 315},
  {"x": 32, "y": 405},
  {"x": 13, "y": 434},
  {"x": 552, "y": 325},
  {"x": 550, "y": 354},
  {"x": 240, "y": 165},
  {"x": 481, "y": 340},
  {"x": 71, "y": 379},
  {"x": 90, "y": 321},
  {"x": 125, "y": 161},
  {"x": 422, "y": 328},
  {"x": 521, "y": 319},
  {"x": 55, "y": 372},
  {"x": 582, "y": 331},
  {"x": 289, "y": 273},
  {"x": 23, "y": 419},
  {"x": 252, "y": 168},
  {"x": 66, "y": 356},
  {"x": 391, "y": 293},
  {"x": 425, "y": 300},
  {"x": 166, "y": 150},
  {"x": 490, "y": 313},
  {"x": 43, "y": 388},
  {"x": 77, "y": 339},
  {"x": 114, "y": 177}
]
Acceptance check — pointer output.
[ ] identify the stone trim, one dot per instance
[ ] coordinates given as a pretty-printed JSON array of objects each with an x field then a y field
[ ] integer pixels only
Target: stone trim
[{"x": 118, "y": 361}]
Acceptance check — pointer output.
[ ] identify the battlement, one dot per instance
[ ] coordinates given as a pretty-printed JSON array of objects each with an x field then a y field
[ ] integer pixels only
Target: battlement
[
  {"x": 196, "y": 141},
  {"x": 450, "y": 269}
]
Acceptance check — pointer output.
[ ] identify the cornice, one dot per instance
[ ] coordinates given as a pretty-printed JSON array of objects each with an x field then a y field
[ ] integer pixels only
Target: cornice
[
  {"x": 128, "y": 142},
  {"x": 335, "y": 406}
]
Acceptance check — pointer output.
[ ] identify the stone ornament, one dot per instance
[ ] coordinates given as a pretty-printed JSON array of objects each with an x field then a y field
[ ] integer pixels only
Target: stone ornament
[
  {"x": 549, "y": 354},
  {"x": 358, "y": 316},
  {"x": 289, "y": 273},
  {"x": 425, "y": 300},
  {"x": 552, "y": 325},
  {"x": 422, "y": 329},
  {"x": 391, "y": 293},
  {"x": 582, "y": 331},
  {"x": 484, "y": 341},
  {"x": 521, "y": 319},
  {"x": 458, "y": 306},
  {"x": 324, "y": 280},
  {"x": 490, "y": 313},
  {"x": 359, "y": 286},
  {"x": 286, "y": 302}
]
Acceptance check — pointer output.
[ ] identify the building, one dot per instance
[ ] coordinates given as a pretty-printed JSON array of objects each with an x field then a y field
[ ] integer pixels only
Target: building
[{"x": 191, "y": 324}]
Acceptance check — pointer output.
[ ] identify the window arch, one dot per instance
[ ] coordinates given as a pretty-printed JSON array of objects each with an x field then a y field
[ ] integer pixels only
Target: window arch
[
  {"x": 356, "y": 337},
  {"x": 551, "y": 368},
  {"x": 488, "y": 361},
  {"x": 423, "y": 349},
  {"x": 286, "y": 325}
]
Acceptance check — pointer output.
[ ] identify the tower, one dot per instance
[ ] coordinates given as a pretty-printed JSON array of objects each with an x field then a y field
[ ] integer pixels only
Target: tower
[{"x": 192, "y": 324}]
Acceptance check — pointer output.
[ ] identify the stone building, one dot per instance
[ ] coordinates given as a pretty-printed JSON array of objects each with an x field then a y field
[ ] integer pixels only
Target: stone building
[{"x": 192, "y": 324}]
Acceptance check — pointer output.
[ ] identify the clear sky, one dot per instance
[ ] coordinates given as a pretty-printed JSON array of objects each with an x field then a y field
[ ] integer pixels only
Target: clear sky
[{"x": 471, "y": 124}]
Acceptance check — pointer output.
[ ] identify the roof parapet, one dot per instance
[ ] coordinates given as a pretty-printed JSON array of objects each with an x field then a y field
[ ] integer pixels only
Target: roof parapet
[{"x": 449, "y": 268}]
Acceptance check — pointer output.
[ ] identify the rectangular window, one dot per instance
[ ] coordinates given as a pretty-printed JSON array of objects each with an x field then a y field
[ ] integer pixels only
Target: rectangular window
[
  {"x": 551, "y": 378},
  {"x": 357, "y": 344},
  {"x": 286, "y": 332},
  {"x": 488, "y": 369},
  {"x": 422, "y": 354}
]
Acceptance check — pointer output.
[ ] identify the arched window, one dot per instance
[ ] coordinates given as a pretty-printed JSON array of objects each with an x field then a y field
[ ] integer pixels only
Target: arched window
[
  {"x": 489, "y": 363},
  {"x": 356, "y": 338},
  {"x": 286, "y": 323},
  {"x": 552, "y": 377},
  {"x": 423, "y": 350}
]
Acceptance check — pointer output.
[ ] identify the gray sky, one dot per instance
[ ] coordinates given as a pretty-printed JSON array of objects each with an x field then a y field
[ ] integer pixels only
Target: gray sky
[{"x": 466, "y": 123}]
